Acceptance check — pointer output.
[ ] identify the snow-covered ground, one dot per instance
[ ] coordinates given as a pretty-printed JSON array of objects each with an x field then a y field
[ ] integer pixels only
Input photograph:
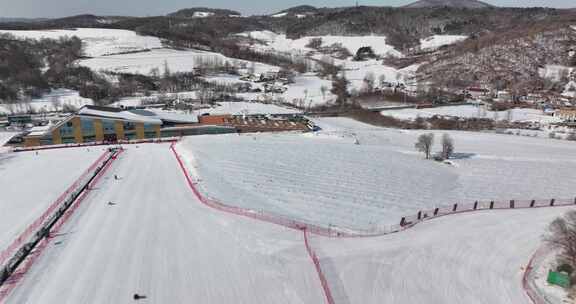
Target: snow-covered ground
[
  {"x": 554, "y": 72},
  {"x": 176, "y": 60},
  {"x": 326, "y": 179},
  {"x": 468, "y": 258},
  {"x": 281, "y": 43},
  {"x": 545, "y": 261},
  {"x": 472, "y": 111},
  {"x": 50, "y": 102},
  {"x": 356, "y": 71},
  {"x": 436, "y": 41},
  {"x": 161, "y": 242},
  {"x": 96, "y": 41},
  {"x": 29, "y": 183}
]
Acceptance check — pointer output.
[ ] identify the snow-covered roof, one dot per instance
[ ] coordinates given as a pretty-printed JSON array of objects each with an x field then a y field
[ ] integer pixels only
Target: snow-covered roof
[
  {"x": 113, "y": 113},
  {"x": 175, "y": 117}
]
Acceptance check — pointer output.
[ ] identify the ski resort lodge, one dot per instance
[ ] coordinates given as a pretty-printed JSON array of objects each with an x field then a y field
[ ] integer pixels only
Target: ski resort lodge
[{"x": 110, "y": 125}]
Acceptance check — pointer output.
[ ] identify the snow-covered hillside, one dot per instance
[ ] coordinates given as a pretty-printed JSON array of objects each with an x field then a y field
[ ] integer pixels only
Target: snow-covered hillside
[
  {"x": 97, "y": 41},
  {"x": 326, "y": 179},
  {"x": 54, "y": 101},
  {"x": 468, "y": 258},
  {"x": 176, "y": 60},
  {"x": 281, "y": 43},
  {"x": 471, "y": 111},
  {"x": 436, "y": 41}
]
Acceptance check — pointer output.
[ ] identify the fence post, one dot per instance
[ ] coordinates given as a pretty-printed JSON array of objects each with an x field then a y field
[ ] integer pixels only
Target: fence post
[
  {"x": 436, "y": 211},
  {"x": 455, "y": 207},
  {"x": 552, "y": 202},
  {"x": 492, "y": 205},
  {"x": 532, "y": 203},
  {"x": 403, "y": 222},
  {"x": 419, "y": 215},
  {"x": 512, "y": 204},
  {"x": 475, "y": 205}
]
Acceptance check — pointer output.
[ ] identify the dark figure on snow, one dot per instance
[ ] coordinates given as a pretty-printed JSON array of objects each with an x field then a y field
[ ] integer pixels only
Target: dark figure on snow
[{"x": 138, "y": 297}]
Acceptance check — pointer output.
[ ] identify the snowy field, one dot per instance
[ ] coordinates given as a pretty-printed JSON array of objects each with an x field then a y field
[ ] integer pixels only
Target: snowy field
[
  {"x": 176, "y": 60},
  {"x": 97, "y": 41},
  {"x": 160, "y": 241},
  {"x": 471, "y": 111},
  {"x": 474, "y": 258},
  {"x": 50, "y": 102},
  {"x": 326, "y": 179},
  {"x": 436, "y": 41},
  {"x": 356, "y": 71},
  {"x": 30, "y": 183},
  {"x": 280, "y": 43}
]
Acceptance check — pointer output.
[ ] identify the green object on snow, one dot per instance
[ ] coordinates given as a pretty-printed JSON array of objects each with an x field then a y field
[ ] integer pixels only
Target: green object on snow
[{"x": 559, "y": 278}]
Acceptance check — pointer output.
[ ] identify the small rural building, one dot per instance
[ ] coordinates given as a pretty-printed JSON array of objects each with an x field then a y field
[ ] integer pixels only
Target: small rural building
[
  {"x": 477, "y": 92},
  {"x": 111, "y": 125},
  {"x": 567, "y": 114}
]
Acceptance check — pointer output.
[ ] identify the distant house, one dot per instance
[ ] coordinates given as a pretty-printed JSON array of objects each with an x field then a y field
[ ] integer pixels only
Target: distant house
[
  {"x": 504, "y": 96},
  {"x": 566, "y": 114},
  {"x": 477, "y": 92}
]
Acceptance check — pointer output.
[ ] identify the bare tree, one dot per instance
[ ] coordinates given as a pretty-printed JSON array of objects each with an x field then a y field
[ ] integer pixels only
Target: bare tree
[
  {"x": 562, "y": 236},
  {"x": 314, "y": 43},
  {"x": 369, "y": 81},
  {"x": 424, "y": 144},
  {"x": 323, "y": 90},
  {"x": 447, "y": 146}
]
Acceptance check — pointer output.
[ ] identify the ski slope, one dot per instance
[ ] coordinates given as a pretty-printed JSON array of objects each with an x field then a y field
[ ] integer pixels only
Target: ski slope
[
  {"x": 473, "y": 258},
  {"x": 159, "y": 241},
  {"x": 326, "y": 179},
  {"x": 96, "y": 41},
  {"x": 30, "y": 183}
]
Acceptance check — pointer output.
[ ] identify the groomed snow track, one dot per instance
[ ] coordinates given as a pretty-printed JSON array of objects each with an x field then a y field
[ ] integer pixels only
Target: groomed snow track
[{"x": 325, "y": 279}]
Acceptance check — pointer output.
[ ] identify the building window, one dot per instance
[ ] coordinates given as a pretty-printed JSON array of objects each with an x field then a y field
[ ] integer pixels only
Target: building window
[
  {"x": 108, "y": 126},
  {"x": 87, "y": 126}
]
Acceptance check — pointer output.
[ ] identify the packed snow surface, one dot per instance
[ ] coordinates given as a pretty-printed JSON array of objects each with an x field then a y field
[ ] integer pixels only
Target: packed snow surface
[
  {"x": 326, "y": 179},
  {"x": 472, "y": 111},
  {"x": 96, "y": 41},
  {"x": 30, "y": 182},
  {"x": 436, "y": 41},
  {"x": 158, "y": 240},
  {"x": 281, "y": 43},
  {"x": 175, "y": 60},
  {"x": 472, "y": 258}
]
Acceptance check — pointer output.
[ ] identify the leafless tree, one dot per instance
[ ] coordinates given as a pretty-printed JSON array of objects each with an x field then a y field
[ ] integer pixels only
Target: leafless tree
[
  {"x": 424, "y": 144},
  {"x": 323, "y": 90},
  {"x": 447, "y": 146},
  {"x": 562, "y": 236},
  {"x": 369, "y": 81},
  {"x": 314, "y": 43}
]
